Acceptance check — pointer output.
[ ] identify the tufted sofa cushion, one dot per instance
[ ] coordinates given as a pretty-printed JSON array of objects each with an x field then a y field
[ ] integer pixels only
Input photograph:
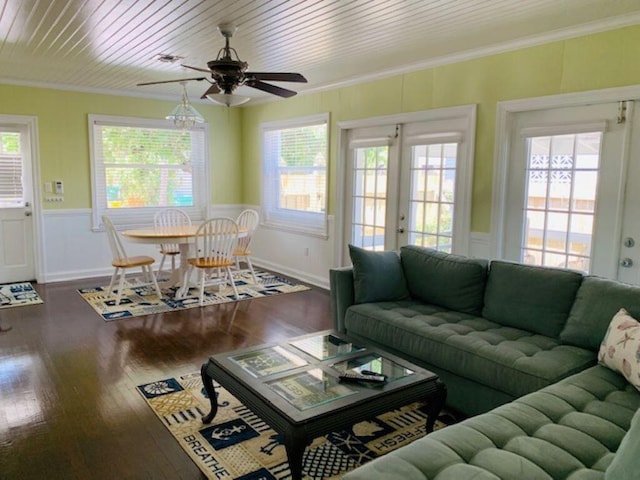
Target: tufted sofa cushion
[
  {"x": 569, "y": 430},
  {"x": 511, "y": 360}
]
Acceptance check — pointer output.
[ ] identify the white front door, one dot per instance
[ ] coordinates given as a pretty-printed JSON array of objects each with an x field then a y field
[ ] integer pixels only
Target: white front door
[
  {"x": 565, "y": 188},
  {"x": 17, "y": 258}
]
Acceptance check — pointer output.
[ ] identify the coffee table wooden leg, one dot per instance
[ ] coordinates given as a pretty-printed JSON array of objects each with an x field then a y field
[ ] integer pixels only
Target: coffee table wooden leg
[
  {"x": 435, "y": 405},
  {"x": 207, "y": 381},
  {"x": 295, "y": 444}
]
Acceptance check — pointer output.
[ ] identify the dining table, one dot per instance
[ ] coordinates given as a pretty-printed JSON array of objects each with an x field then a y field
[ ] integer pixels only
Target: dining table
[{"x": 183, "y": 236}]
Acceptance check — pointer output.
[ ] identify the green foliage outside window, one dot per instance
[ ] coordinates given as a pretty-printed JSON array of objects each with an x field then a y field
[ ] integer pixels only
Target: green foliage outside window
[
  {"x": 9, "y": 142},
  {"x": 147, "y": 167}
]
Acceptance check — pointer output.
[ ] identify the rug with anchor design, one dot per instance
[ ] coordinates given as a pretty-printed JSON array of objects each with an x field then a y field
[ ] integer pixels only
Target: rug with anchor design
[{"x": 239, "y": 445}]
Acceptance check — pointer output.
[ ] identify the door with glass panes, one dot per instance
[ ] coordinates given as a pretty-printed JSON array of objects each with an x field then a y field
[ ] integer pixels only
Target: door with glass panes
[
  {"x": 566, "y": 189},
  {"x": 408, "y": 184}
]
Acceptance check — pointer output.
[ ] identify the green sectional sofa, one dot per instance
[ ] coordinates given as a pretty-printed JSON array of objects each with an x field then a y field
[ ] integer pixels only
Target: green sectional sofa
[{"x": 519, "y": 342}]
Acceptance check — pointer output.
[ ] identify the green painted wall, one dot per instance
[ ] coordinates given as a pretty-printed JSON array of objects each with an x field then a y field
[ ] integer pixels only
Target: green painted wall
[
  {"x": 609, "y": 59},
  {"x": 64, "y": 138}
]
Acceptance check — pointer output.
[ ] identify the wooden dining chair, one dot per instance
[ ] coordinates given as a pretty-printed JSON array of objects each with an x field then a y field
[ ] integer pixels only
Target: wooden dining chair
[
  {"x": 247, "y": 222},
  {"x": 122, "y": 262},
  {"x": 170, "y": 218},
  {"x": 215, "y": 242}
]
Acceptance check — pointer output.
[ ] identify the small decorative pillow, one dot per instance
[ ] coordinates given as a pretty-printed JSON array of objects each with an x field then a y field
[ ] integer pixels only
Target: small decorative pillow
[
  {"x": 620, "y": 349},
  {"x": 377, "y": 276}
]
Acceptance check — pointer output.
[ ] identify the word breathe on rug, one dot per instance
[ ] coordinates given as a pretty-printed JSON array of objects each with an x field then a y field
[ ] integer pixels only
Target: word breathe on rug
[
  {"x": 138, "y": 301},
  {"x": 239, "y": 445},
  {"x": 18, "y": 295}
]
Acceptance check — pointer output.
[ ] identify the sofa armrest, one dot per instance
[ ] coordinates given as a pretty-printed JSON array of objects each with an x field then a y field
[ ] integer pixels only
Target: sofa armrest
[{"x": 342, "y": 296}]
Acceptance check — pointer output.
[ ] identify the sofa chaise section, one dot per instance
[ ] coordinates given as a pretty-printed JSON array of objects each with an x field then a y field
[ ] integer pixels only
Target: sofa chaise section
[{"x": 569, "y": 430}]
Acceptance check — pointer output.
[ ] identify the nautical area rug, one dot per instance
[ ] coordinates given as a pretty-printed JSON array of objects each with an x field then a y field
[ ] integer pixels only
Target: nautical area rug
[
  {"x": 18, "y": 295},
  {"x": 239, "y": 445},
  {"x": 138, "y": 301}
]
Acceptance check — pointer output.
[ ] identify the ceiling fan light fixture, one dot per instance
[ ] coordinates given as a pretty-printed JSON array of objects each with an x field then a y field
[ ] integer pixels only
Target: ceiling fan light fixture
[
  {"x": 184, "y": 115},
  {"x": 228, "y": 99}
]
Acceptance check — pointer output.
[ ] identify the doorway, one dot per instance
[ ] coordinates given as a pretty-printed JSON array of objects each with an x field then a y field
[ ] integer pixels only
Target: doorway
[
  {"x": 569, "y": 187},
  {"x": 407, "y": 181},
  {"x": 18, "y": 171}
]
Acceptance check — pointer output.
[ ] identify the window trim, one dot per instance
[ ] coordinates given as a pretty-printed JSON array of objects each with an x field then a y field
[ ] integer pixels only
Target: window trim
[
  {"x": 131, "y": 217},
  {"x": 307, "y": 223}
]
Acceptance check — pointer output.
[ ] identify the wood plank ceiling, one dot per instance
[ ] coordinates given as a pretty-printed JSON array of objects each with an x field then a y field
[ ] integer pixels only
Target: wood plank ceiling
[{"x": 110, "y": 45}]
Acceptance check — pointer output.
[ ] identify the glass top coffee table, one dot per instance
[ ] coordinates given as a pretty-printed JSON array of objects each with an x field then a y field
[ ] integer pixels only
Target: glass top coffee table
[{"x": 294, "y": 386}]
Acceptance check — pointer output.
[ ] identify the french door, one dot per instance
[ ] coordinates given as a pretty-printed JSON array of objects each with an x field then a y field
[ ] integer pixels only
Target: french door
[
  {"x": 409, "y": 183},
  {"x": 571, "y": 187},
  {"x": 17, "y": 262}
]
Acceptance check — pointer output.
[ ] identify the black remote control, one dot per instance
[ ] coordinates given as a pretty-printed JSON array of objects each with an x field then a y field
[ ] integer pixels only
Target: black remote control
[{"x": 359, "y": 377}]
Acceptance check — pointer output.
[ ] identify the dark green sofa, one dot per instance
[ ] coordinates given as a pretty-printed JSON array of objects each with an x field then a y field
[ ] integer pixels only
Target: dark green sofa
[{"x": 495, "y": 333}]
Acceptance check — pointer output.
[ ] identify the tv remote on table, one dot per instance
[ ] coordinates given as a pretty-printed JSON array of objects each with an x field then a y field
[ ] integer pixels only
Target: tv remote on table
[{"x": 359, "y": 377}]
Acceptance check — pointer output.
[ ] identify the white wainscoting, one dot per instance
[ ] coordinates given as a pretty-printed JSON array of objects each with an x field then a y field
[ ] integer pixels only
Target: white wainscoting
[
  {"x": 73, "y": 251},
  {"x": 480, "y": 245}
]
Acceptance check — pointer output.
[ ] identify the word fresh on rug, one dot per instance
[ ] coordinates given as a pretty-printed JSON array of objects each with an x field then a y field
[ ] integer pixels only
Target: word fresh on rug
[
  {"x": 138, "y": 301},
  {"x": 18, "y": 295},
  {"x": 239, "y": 445}
]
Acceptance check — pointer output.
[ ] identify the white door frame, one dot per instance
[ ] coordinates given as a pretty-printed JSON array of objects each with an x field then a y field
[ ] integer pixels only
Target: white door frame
[
  {"x": 504, "y": 116},
  {"x": 31, "y": 124}
]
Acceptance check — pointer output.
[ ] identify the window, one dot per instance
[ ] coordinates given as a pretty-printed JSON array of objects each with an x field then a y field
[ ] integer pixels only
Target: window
[
  {"x": 11, "y": 186},
  {"x": 560, "y": 199},
  {"x": 295, "y": 174},
  {"x": 432, "y": 201},
  {"x": 370, "y": 171},
  {"x": 141, "y": 166}
]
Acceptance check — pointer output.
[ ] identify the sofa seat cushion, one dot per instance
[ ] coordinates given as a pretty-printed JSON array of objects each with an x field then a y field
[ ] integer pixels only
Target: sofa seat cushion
[
  {"x": 507, "y": 359},
  {"x": 569, "y": 430}
]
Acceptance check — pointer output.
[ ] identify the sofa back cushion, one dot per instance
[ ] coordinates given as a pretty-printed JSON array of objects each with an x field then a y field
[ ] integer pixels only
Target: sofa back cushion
[
  {"x": 450, "y": 281},
  {"x": 532, "y": 298},
  {"x": 597, "y": 301},
  {"x": 377, "y": 276}
]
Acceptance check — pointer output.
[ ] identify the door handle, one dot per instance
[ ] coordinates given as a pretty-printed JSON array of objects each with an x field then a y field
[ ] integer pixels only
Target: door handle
[{"x": 626, "y": 263}]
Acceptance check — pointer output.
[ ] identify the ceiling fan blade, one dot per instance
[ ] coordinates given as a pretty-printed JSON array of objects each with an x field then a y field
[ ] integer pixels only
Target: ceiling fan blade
[
  {"x": 206, "y": 70},
  {"x": 171, "y": 81},
  {"x": 277, "y": 76},
  {"x": 267, "y": 87},
  {"x": 212, "y": 89}
]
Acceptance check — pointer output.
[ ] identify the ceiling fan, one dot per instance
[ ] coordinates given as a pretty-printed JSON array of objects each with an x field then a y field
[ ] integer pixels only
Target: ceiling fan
[{"x": 228, "y": 72}]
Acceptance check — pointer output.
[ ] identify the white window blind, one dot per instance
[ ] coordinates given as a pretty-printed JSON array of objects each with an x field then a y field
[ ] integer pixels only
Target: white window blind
[
  {"x": 295, "y": 174},
  {"x": 141, "y": 166},
  {"x": 11, "y": 174}
]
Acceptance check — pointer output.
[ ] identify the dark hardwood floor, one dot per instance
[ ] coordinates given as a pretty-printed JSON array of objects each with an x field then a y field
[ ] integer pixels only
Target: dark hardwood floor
[{"x": 69, "y": 408}]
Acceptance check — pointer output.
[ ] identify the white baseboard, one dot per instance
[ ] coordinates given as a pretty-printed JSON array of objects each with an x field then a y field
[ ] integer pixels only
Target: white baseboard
[
  {"x": 77, "y": 275},
  {"x": 297, "y": 274}
]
